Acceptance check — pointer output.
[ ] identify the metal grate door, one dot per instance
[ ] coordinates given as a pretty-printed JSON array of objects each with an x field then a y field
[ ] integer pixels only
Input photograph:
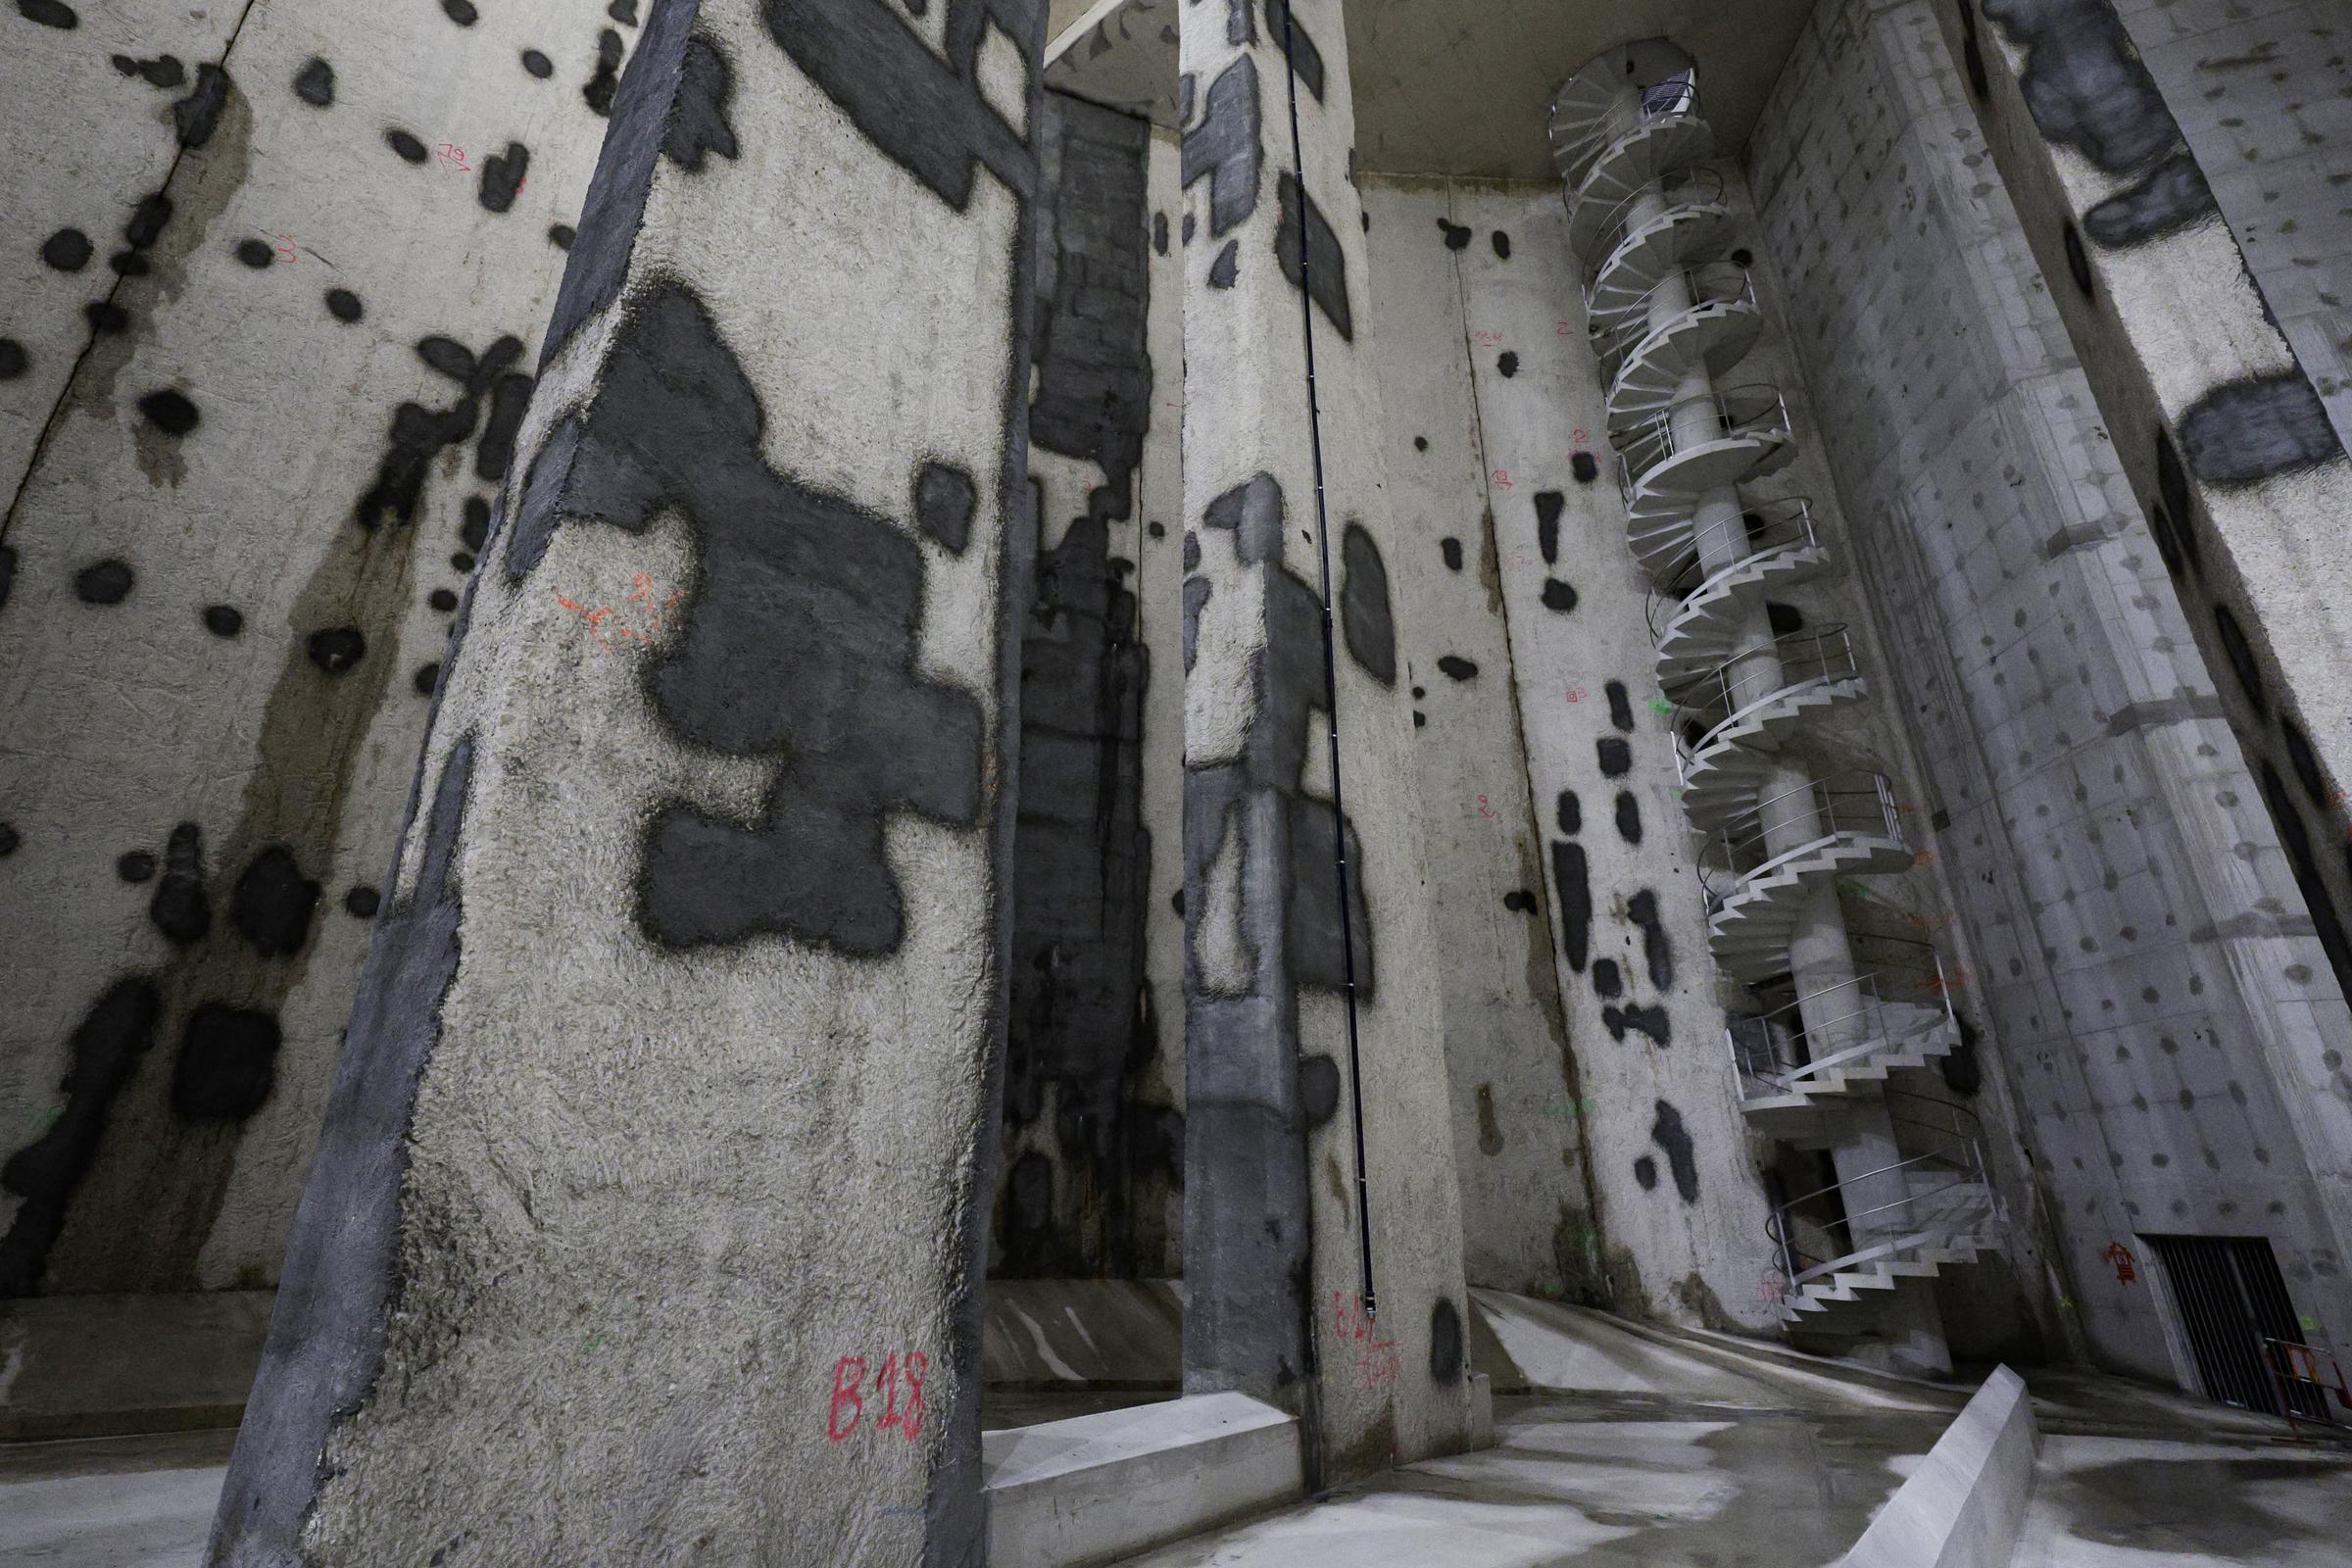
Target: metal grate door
[{"x": 2230, "y": 1297}]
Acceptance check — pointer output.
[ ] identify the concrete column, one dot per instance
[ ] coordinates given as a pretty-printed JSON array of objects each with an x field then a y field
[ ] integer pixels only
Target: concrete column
[
  {"x": 1909, "y": 1322},
  {"x": 1310, "y": 990},
  {"x": 648, "y": 1219}
]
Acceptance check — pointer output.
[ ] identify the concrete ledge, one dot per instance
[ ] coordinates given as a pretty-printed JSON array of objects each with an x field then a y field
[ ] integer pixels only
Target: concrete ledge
[
  {"x": 1098, "y": 1487},
  {"x": 94, "y": 1366},
  {"x": 1964, "y": 1505}
]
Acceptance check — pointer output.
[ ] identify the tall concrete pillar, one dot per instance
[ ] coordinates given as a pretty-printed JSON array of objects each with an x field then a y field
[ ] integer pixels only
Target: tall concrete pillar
[
  {"x": 1322, "y": 1221},
  {"x": 648, "y": 1221}
]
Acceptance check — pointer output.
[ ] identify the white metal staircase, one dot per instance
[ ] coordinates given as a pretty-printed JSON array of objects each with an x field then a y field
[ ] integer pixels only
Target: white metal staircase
[{"x": 1669, "y": 318}]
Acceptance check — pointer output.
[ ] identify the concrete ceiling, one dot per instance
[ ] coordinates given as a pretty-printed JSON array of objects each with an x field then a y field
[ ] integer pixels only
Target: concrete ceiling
[{"x": 1453, "y": 86}]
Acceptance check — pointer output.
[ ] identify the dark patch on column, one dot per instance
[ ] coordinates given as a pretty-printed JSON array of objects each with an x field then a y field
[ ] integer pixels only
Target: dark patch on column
[
  {"x": 1240, "y": 27},
  {"x": 273, "y": 904},
  {"x": 1365, "y": 605},
  {"x": 69, "y": 250},
  {"x": 1614, "y": 753},
  {"x": 101, "y": 1056},
  {"x": 104, "y": 582},
  {"x": 509, "y": 399},
  {"x": 8, "y": 572},
  {"x": 14, "y": 361},
  {"x": 2241, "y": 654},
  {"x": 460, "y": 12},
  {"x": 1621, "y": 704},
  {"x": 2172, "y": 197},
  {"x": 1457, "y": 668},
  {"x": 1254, "y": 512},
  {"x": 1450, "y": 549},
  {"x": 604, "y": 83},
  {"x": 698, "y": 117},
  {"x": 1227, "y": 267},
  {"x": 1458, "y": 237},
  {"x": 1645, "y": 1171},
  {"x": 1503, "y": 246},
  {"x": 1557, "y": 596},
  {"x": 502, "y": 177},
  {"x": 944, "y": 498},
  {"x": 1569, "y": 812},
  {"x": 181, "y": 909},
  {"x": 405, "y": 146},
  {"x": 1225, "y": 146},
  {"x": 255, "y": 254},
  {"x": 315, "y": 82},
  {"x": 342, "y": 1271},
  {"x": 1628, "y": 817},
  {"x": 1093, "y": 397},
  {"x": 2085, "y": 84},
  {"x": 1643, "y": 909},
  {"x": 169, "y": 411},
  {"x": 1519, "y": 901},
  {"x": 1308, "y": 251},
  {"x": 1571, "y": 877},
  {"x": 1318, "y": 1089},
  {"x": 1548, "y": 506},
  {"x": 1584, "y": 467},
  {"x": 1446, "y": 1342},
  {"x": 537, "y": 64},
  {"x": 195, "y": 117},
  {"x": 334, "y": 650},
  {"x": 1648, "y": 1021},
  {"x": 1666, "y": 1131},
  {"x": 1186, "y": 88},
  {"x": 228, "y": 1063},
  {"x": 2245, "y": 431},
  {"x": 1507, "y": 363},
  {"x": 801, "y": 621},
  {"x": 1316, "y": 953},
  {"x": 420, "y": 434},
  {"x": 1307, "y": 61},
  {"x": 49, "y": 13},
  {"x": 1607, "y": 981},
  {"x": 1195, "y": 599}
]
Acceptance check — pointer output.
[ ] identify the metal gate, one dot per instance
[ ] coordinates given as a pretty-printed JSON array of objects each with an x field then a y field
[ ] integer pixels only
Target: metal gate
[{"x": 2231, "y": 1298}]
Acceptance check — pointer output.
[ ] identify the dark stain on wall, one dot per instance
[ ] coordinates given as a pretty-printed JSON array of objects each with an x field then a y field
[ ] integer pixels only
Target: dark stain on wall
[
  {"x": 1615, "y": 756},
  {"x": 944, "y": 498},
  {"x": 1225, "y": 146},
  {"x": 228, "y": 1063},
  {"x": 1307, "y": 249},
  {"x": 1226, "y": 267},
  {"x": 1548, "y": 506},
  {"x": 1455, "y": 667},
  {"x": 1445, "y": 1342},
  {"x": 1450, "y": 551},
  {"x": 1657, "y": 952},
  {"x": 2172, "y": 198},
  {"x": 103, "y": 1053},
  {"x": 180, "y": 909},
  {"x": 1628, "y": 817},
  {"x": 1621, "y": 704},
  {"x": 2242, "y": 432},
  {"x": 697, "y": 119},
  {"x": 802, "y": 619},
  {"x": 1318, "y": 1089},
  {"x": 1458, "y": 236},
  {"x": 1307, "y": 61},
  {"x": 1573, "y": 881},
  {"x": 1365, "y": 605},
  {"x": 1094, "y": 373},
  {"x": 1557, "y": 596},
  {"x": 1649, "y": 1021},
  {"x": 503, "y": 175},
  {"x": 420, "y": 434},
  {"x": 1607, "y": 981},
  {"x": 273, "y": 904},
  {"x": 1667, "y": 1132}
]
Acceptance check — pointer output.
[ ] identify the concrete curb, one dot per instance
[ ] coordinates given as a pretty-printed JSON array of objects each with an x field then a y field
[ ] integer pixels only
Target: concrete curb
[{"x": 1965, "y": 1505}]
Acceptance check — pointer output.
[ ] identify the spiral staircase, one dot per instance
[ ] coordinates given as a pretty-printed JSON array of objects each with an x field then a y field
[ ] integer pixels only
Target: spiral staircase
[{"x": 1671, "y": 321}]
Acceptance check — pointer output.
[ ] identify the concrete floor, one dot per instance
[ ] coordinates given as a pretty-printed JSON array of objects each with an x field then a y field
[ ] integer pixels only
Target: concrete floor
[{"x": 1609, "y": 1480}]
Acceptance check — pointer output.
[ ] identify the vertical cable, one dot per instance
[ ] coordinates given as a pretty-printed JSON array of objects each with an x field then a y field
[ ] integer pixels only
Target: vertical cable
[{"x": 1330, "y": 686}]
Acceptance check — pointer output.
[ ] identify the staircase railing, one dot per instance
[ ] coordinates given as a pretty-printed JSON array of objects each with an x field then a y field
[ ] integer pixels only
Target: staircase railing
[
  {"x": 1900, "y": 1228},
  {"x": 1693, "y": 187},
  {"x": 1672, "y": 98},
  {"x": 1761, "y": 530},
  {"x": 1718, "y": 697},
  {"x": 1769, "y": 1050},
  {"x": 1618, "y": 329},
  {"x": 1755, "y": 412}
]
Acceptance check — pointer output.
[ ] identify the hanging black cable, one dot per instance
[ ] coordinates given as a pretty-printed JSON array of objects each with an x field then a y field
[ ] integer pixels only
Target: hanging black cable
[{"x": 1331, "y": 685}]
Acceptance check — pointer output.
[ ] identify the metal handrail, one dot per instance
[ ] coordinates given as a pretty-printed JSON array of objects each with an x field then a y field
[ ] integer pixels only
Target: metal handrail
[
  {"x": 1691, "y": 187},
  {"x": 1674, "y": 97},
  {"x": 1757, "y": 409},
  {"x": 1786, "y": 524},
  {"x": 1800, "y": 658},
  {"x": 1759, "y": 1056},
  {"x": 1779, "y": 1225},
  {"x": 1744, "y": 850},
  {"x": 1711, "y": 285}
]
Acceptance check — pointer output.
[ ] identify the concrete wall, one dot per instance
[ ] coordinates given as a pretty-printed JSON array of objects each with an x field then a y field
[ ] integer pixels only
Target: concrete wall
[
  {"x": 1094, "y": 1144},
  {"x": 1311, "y": 985},
  {"x": 2137, "y": 960},
  {"x": 2223, "y": 444},
  {"x": 276, "y": 296},
  {"x": 1518, "y": 1106},
  {"x": 667, "y": 1119}
]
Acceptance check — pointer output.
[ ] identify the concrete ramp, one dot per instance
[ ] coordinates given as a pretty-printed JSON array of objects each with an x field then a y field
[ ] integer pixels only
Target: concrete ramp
[{"x": 1530, "y": 1346}]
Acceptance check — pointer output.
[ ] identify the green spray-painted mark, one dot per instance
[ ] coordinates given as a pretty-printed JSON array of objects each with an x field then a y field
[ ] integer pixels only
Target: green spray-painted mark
[{"x": 1659, "y": 705}]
